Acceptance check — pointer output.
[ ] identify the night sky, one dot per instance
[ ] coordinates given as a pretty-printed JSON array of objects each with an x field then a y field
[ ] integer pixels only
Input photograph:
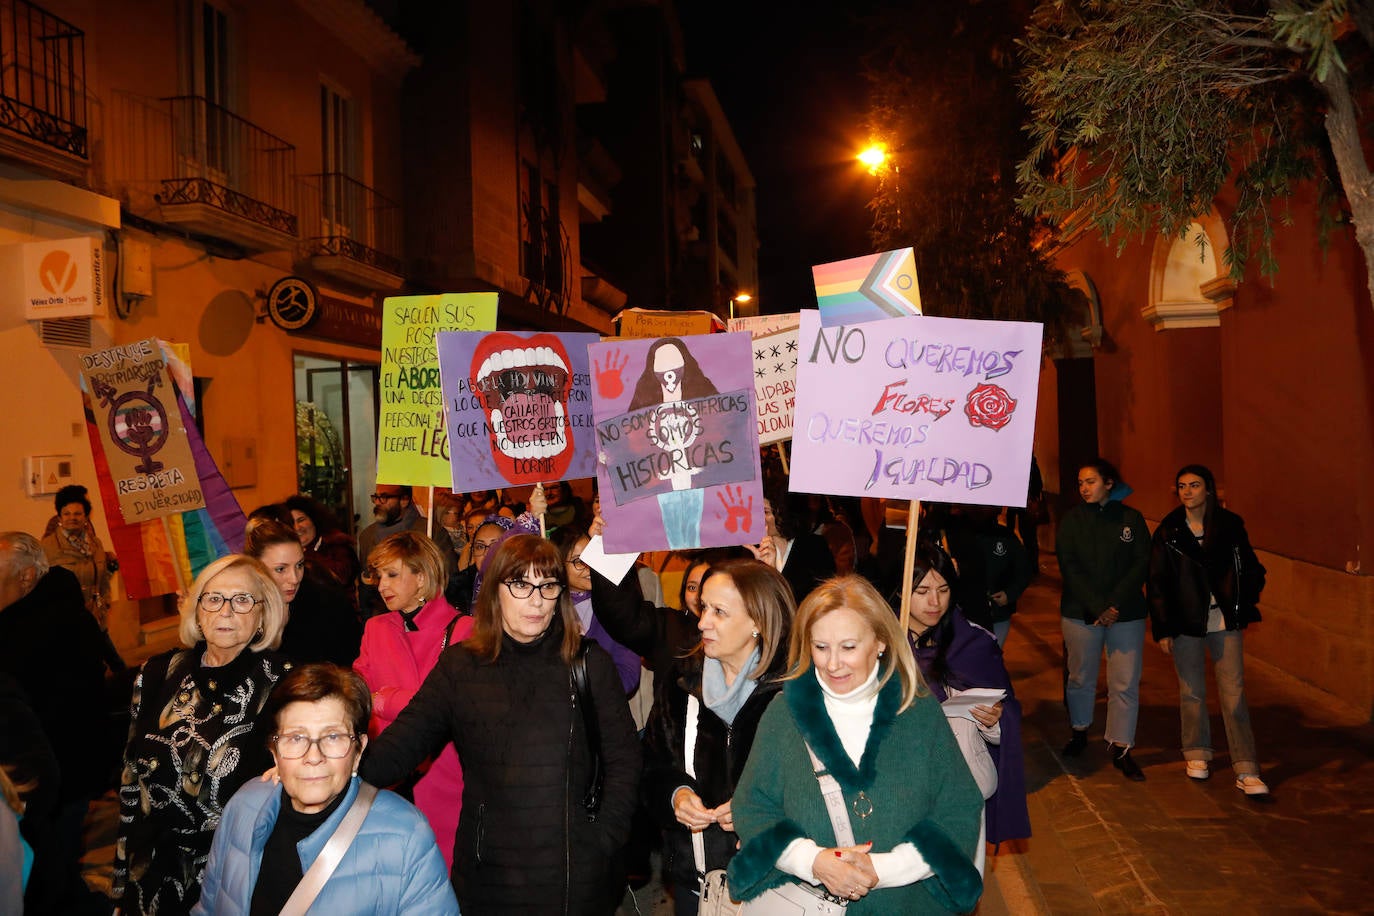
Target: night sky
[{"x": 789, "y": 77}]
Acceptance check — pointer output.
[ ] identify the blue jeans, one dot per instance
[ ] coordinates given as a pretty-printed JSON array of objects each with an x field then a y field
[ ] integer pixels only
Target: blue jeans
[
  {"x": 1228, "y": 663},
  {"x": 1083, "y": 646}
]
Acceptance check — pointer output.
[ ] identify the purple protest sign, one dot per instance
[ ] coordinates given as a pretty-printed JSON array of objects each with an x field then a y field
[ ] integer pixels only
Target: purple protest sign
[
  {"x": 678, "y": 461},
  {"x": 518, "y": 407},
  {"x": 917, "y": 408}
]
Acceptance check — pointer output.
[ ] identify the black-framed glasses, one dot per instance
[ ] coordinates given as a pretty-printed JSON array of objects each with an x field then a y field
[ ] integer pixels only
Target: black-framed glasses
[
  {"x": 333, "y": 745},
  {"x": 519, "y": 588},
  {"x": 381, "y": 497},
  {"x": 242, "y": 603},
  {"x": 481, "y": 547},
  {"x": 578, "y": 564}
]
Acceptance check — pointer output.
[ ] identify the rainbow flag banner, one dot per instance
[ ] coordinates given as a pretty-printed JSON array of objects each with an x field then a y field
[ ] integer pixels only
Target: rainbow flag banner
[
  {"x": 161, "y": 556},
  {"x": 869, "y": 288}
]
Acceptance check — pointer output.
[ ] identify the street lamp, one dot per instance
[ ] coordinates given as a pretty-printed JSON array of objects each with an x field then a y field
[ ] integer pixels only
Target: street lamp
[
  {"x": 874, "y": 157},
  {"x": 740, "y": 297}
]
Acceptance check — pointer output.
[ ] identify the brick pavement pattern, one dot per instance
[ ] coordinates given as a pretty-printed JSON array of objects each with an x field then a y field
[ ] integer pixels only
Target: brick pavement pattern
[{"x": 1173, "y": 845}]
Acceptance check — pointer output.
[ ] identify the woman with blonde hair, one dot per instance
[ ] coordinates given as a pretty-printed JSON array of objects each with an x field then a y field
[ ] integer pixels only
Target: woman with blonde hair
[
  {"x": 196, "y": 734},
  {"x": 399, "y": 649},
  {"x": 908, "y": 831}
]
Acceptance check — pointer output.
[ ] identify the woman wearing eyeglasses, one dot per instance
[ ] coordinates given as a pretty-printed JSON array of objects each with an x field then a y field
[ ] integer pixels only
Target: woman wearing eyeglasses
[
  {"x": 531, "y": 839},
  {"x": 273, "y": 833},
  {"x": 196, "y": 734},
  {"x": 399, "y": 649}
]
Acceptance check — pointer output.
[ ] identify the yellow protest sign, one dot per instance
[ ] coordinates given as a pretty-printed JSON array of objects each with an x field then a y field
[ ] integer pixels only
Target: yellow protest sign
[{"x": 412, "y": 439}]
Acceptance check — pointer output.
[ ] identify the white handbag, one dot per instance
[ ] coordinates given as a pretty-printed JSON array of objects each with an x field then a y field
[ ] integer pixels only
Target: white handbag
[
  {"x": 799, "y": 898},
  {"x": 711, "y": 887}
]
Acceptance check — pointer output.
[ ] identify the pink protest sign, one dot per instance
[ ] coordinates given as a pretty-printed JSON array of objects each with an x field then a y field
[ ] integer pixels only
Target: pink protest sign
[
  {"x": 677, "y": 448},
  {"x": 916, "y": 408}
]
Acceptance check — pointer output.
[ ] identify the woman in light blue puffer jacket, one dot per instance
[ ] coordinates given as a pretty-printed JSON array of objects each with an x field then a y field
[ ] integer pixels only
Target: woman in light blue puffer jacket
[{"x": 393, "y": 865}]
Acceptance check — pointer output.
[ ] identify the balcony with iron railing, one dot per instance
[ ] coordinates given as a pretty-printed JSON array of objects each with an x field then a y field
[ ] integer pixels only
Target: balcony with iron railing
[
  {"x": 191, "y": 163},
  {"x": 350, "y": 231},
  {"x": 42, "y": 89}
]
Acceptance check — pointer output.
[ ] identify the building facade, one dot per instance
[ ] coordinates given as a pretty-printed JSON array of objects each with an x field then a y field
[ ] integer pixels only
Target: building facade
[
  {"x": 1268, "y": 382},
  {"x": 256, "y": 178}
]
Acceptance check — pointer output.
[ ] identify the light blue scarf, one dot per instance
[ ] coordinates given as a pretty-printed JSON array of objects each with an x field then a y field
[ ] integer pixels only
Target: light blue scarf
[{"x": 722, "y": 700}]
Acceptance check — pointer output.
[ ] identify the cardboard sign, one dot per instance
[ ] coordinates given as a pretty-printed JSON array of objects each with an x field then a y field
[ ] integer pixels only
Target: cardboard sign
[
  {"x": 519, "y": 407},
  {"x": 775, "y": 384},
  {"x": 917, "y": 408},
  {"x": 641, "y": 323},
  {"x": 678, "y": 452},
  {"x": 870, "y": 288},
  {"x": 765, "y": 324},
  {"x": 142, "y": 431},
  {"x": 412, "y": 434}
]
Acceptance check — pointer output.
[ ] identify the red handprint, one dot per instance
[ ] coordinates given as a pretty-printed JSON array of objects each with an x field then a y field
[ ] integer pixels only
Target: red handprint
[
  {"x": 608, "y": 382},
  {"x": 738, "y": 514}
]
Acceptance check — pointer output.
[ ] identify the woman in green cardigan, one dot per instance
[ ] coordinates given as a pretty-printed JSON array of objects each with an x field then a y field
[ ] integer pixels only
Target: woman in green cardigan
[{"x": 912, "y": 804}]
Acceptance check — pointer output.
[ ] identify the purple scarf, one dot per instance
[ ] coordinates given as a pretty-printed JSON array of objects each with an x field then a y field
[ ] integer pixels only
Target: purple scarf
[{"x": 975, "y": 660}]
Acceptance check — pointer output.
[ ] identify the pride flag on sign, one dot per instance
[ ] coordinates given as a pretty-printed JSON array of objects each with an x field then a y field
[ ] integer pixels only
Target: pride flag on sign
[
  {"x": 163, "y": 555},
  {"x": 869, "y": 288}
]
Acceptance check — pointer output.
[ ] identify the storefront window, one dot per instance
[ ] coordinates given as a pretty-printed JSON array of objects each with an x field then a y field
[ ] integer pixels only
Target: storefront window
[{"x": 336, "y": 433}]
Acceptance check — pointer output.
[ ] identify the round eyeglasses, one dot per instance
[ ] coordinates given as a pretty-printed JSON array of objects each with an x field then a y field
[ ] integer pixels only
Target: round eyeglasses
[
  {"x": 519, "y": 588},
  {"x": 578, "y": 564},
  {"x": 242, "y": 603},
  {"x": 333, "y": 745}
]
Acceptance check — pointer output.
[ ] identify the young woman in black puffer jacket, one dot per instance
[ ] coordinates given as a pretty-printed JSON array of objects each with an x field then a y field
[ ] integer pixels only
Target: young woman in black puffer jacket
[{"x": 1202, "y": 592}]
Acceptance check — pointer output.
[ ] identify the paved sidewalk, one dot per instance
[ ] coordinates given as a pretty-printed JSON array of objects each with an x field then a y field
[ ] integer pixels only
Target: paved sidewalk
[{"x": 1103, "y": 844}]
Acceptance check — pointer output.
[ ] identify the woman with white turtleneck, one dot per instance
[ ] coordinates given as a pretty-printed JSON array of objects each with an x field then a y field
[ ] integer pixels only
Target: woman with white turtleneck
[{"x": 913, "y": 808}]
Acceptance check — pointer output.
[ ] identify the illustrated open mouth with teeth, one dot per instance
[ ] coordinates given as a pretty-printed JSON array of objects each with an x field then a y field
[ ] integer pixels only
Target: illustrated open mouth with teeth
[{"x": 524, "y": 383}]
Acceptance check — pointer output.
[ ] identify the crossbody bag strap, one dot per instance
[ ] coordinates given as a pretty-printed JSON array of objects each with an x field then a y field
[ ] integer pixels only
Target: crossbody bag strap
[
  {"x": 689, "y": 753},
  {"x": 834, "y": 801},
  {"x": 313, "y": 881},
  {"x": 591, "y": 801}
]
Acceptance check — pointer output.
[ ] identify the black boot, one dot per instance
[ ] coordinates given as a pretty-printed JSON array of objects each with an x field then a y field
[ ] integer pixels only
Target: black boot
[
  {"x": 1077, "y": 743},
  {"x": 1122, "y": 760}
]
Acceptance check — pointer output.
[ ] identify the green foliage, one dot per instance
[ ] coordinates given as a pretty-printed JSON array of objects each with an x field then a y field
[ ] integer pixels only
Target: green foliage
[
  {"x": 943, "y": 99},
  {"x": 1141, "y": 112}
]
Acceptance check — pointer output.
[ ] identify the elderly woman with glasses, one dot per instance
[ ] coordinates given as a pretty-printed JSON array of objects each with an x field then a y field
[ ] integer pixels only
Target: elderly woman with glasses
[
  {"x": 196, "y": 734},
  {"x": 399, "y": 650},
  {"x": 533, "y": 836},
  {"x": 273, "y": 833}
]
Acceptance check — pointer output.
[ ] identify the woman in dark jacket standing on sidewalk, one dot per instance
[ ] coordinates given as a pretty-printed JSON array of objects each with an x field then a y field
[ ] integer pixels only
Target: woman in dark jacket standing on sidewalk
[
  {"x": 528, "y": 842},
  {"x": 1104, "y": 554},
  {"x": 1204, "y": 585}
]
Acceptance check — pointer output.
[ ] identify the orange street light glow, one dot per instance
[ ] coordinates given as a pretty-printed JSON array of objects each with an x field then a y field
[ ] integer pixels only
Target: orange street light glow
[{"x": 874, "y": 157}]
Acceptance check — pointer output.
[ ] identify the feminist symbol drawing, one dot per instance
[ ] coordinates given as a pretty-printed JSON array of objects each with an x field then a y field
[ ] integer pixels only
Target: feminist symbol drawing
[{"x": 138, "y": 422}]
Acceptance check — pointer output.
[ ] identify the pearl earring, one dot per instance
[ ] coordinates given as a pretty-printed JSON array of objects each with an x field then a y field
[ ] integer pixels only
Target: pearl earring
[{"x": 756, "y": 634}]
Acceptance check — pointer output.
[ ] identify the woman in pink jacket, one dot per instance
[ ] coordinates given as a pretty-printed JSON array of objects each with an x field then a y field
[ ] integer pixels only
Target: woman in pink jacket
[{"x": 400, "y": 648}]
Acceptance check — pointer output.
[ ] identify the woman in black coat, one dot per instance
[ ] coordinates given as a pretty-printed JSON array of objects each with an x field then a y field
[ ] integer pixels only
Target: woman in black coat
[
  {"x": 708, "y": 702},
  {"x": 529, "y": 838},
  {"x": 1202, "y": 592}
]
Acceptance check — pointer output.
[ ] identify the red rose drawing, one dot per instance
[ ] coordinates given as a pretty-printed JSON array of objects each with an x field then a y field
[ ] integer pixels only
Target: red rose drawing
[{"x": 990, "y": 406}]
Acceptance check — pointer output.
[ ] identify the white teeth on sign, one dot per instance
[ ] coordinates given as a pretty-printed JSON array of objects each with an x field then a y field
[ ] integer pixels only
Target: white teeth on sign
[{"x": 519, "y": 359}]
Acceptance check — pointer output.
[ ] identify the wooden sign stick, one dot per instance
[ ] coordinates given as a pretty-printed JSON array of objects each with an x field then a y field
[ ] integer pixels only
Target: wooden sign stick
[
  {"x": 913, "y": 517},
  {"x": 782, "y": 456},
  {"x": 429, "y": 522}
]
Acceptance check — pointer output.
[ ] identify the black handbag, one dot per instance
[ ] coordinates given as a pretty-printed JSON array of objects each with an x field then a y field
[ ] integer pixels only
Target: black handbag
[{"x": 582, "y": 687}]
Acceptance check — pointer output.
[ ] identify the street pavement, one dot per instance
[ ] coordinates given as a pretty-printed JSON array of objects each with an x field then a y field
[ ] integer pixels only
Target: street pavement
[
  {"x": 1103, "y": 844},
  {"x": 1169, "y": 845}
]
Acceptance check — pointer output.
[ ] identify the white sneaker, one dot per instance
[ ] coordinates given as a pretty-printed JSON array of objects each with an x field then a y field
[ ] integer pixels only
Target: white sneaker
[
  {"x": 1251, "y": 785},
  {"x": 1198, "y": 769}
]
